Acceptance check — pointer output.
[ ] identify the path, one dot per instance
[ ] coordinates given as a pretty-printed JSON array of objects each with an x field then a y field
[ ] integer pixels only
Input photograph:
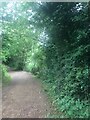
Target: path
[{"x": 24, "y": 97}]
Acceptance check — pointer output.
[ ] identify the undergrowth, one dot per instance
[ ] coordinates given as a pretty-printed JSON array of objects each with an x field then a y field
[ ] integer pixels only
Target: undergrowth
[
  {"x": 5, "y": 77},
  {"x": 67, "y": 106}
]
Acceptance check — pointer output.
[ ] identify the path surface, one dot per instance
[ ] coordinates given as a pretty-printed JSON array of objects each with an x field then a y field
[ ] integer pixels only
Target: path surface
[{"x": 24, "y": 97}]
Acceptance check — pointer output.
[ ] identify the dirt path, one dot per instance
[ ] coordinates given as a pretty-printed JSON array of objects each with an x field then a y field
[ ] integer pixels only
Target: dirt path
[{"x": 24, "y": 98}]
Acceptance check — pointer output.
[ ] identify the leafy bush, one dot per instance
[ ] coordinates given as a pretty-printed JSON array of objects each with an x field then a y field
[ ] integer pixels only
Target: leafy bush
[
  {"x": 4, "y": 75},
  {"x": 73, "y": 108}
]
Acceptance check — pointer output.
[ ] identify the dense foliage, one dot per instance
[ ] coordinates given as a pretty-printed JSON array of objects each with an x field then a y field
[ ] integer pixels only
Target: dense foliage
[
  {"x": 52, "y": 41},
  {"x": 67, "y": 54}
]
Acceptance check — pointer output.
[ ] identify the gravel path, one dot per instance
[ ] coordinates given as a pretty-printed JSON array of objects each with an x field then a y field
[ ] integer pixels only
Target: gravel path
[{"x": 24, "y": 97}]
